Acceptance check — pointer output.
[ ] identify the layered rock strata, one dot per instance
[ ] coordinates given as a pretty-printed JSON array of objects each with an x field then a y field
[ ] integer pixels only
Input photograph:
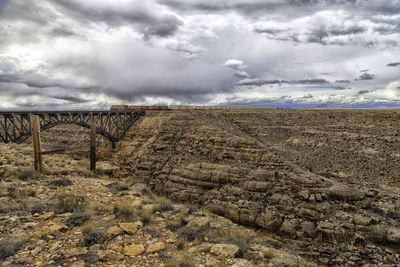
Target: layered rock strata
[{"x": 206, "y": 158}]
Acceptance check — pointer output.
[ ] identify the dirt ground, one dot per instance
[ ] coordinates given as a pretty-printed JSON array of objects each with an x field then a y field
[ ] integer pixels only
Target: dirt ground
[{"x": 268, "y": 187}]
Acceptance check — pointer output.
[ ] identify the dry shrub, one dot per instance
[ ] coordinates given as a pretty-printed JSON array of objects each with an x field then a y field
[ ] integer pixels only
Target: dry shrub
[
  {"x": 176, "y": 222},
  {"x": 190, "y": 234},
  {"x": 21, "y": 193},
  {"x": 102, "y": 209},
  {"x": 9, "y": 247},
  {"x": 24, "y": 174},
  {"x": 77, "y": 219},
  {"x": 163, "y": 204},
  {"x": 163, "y": 255},
  {"x": 91, "y": 235},
  {"x": 40, "y": 206},
  {"x": 61, "y": 182},
  {"x": 70, "y": 203}
]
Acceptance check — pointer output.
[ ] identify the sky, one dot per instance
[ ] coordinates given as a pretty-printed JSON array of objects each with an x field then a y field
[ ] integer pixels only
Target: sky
[{"x": 67, "y": 54}]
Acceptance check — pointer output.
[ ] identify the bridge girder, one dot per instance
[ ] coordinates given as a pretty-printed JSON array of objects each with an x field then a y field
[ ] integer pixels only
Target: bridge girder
[{"x": 113, "y": 125}]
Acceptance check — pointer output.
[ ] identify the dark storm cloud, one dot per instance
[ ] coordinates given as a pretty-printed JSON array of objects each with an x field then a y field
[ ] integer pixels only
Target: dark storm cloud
[
  {"x": 338, "y": 87},
  {"x": 260, "y": 82},
  {"x": 350, "y": 27},
  {"x": 342, "y": 81},
  {"x": 268, "y": 30},
  {"x": 63, "y": 32},
  {"x": 366, "y": 77},
  {"x": 37, "y": 81},
  {"x": 216, "y": 6},
  {"x": 362, "y": 92},
  {"x": 32, "y": 12},
  {"x": 311, "y": 81},
  {"x": 394, "y": 64},
  {"x": 157, "y": 72},
  {"x": 246, "y": 6},
  {"x": 322, "y": 34},
  {"x": 72, "y": 99},
  {"x": 149, "y": 22},
  {"x": 292, "y": 7},
  {"x": 387, "y": 29},
  {"x": 325, "y": 32}
]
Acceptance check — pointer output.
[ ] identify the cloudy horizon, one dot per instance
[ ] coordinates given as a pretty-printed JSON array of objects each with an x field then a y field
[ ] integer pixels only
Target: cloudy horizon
[{"x": 92, "y": 54}]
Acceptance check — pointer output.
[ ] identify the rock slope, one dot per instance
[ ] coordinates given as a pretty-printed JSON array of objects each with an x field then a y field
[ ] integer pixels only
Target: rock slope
[{"x": 206, "y": 158}]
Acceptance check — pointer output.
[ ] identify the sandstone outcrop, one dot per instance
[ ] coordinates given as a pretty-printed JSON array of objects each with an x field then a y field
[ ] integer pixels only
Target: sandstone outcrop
[{"x": 210, "y": 160}]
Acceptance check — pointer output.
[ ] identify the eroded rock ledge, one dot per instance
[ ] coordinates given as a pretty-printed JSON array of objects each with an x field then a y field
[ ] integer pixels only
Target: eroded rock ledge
[{"x": 206, "y": 159}]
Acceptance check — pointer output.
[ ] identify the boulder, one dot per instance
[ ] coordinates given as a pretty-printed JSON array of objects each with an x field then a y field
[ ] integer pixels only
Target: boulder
[
  {"x": 308, "y": 229},
  {"x": 114, "y": 231},
  {"x": 377, "y": 233},
  {"x": 393, "y": 235},
  {"x": 211, "y": 262},
  {"x": 362, "y": 220},
  {"x": 129, "y": 227},
  {"x": 304, "y": 195},
  {"x": 225, "y": 250},
  {"x": 199, "y": 222},
  {"x": 57, "y": 228},
  {"x": 344, "y": 192},
  {"x": 155, "y": 247},
  {"x": 288, "y": 227},
  {"x": 134, "y": 250},
  {"x": 271, "y": 221}
]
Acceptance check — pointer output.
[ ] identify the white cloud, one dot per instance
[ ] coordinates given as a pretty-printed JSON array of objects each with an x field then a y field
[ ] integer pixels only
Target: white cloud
[{"x": 235, "y": 64}]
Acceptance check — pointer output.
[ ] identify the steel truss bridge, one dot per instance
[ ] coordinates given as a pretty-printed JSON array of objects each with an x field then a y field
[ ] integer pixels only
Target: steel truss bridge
[{"x": 15, "y": 126}]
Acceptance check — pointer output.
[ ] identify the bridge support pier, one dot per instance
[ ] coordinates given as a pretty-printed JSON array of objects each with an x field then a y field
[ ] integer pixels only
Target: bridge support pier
[
  {"x": 37, "y": 153},
  {"x": 113, "y": 144},
  {"x": 93, "y": 147}
]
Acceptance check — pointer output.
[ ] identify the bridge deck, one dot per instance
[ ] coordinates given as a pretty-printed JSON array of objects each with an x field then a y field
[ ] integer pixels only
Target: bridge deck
[
  {"x": 15, "y": 126},
  {"x": 37, "y": 112}
]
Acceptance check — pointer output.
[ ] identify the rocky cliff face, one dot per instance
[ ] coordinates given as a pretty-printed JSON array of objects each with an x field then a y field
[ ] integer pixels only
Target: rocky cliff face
[{"x": 239, "y": 164}]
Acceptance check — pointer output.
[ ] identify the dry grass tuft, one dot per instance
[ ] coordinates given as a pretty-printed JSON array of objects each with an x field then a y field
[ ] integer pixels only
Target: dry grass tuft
[
  {"x": 124, "y": 211},
  {"x": 70, "y": 203},
  {"x": 21, "y": 193},
  {"x": 9, "y": 247},
  {"x": 24, "y": 174}
]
